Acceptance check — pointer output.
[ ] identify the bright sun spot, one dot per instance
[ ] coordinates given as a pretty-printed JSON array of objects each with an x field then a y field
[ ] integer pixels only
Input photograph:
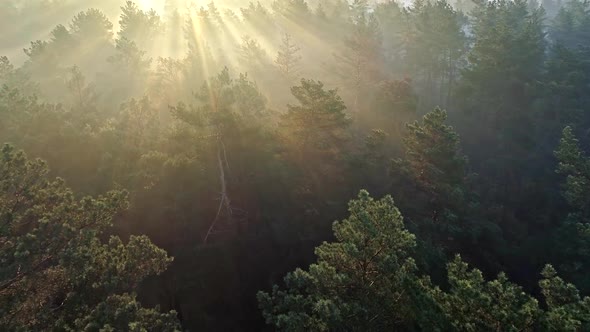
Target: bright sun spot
[{"x": 150, "y": 4}]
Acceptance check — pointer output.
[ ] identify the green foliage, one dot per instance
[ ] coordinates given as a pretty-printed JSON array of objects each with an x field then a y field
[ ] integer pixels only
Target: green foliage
[
  {"x": 315, "y": 135},
  {"x": 15, "y": 78},
  {"x": 359, "y": 281},
  {"x": 509, "y": 45},
  {"x": 576, "y": 167},
  {"x": 506, "y": 140},
  {"x": 225, "y": 105},
  {"x": 123, "y": 313},
  {"x": 228, "y": 123},
  {"x": 567, "y": 79},
  {"x": 367, "y": 280},
  {"x": 55, "y": 270},
  {"x": 320, "y": 119},
  {"x": 443, "y": 206},
  {"x": 497, "y": 87},
  {"x": 91, "y": 26},
  {"x": 571, "y": 25},
  {"x": 231, "y": 162},
  {"x": 573, "y": 240},
  {"x": 566, "y": 310},
  {"x": 433, "y": 156},
  {"x": 437, "y": 49},
  {"x": 474, "y": 304},
  {"x": 139, "y": 26}
]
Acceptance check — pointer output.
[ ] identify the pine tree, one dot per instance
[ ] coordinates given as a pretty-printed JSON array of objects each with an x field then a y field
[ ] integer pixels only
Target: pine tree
[
  {"x": 572, "y": 243},
  {"x": 442, "y": 206},
  {"x": 229, "y": 121},
  {"x": 291, "y": 9},
  {"x": 288, "y": 59},
  {"x": 498, "y": 88},
  {"x": 576, "y": 167},
  {"x": 395, "y": 103},
  {"x": 88, "y": 39},
  {"x": 566, "y": 309},
  {"x": 315, "y": 134},
  {"x": 92, "y": 26},
  {"x": 359, "y": 281},
  {"x": 253, "y": 57},
  {"x": 436, "y": 51},
  {"x": 129, "y": 71},
  {"x": 358, "y": 65},
  {"x": 571, "y": 25},
  {"x": 394, "y": 21},
  {"x": 434, "y": 163},
  {"x": 83, "y": 99},
  {"x": 51, "y": 252},
  {"x": 257, "y": 16},
  {"x": 474, "y": 304},
  {"x": 433, "y": 155},
  {"x": 139, "y": 26},
  {"x": 367, "y": 280},
  {"x": 317, "y": 124},
  {"x": 509, "y": 46},
  {"x": 565, "y": 83},
  {"x": 83, "y": 95},
  {"x": 16, "y": 78}
]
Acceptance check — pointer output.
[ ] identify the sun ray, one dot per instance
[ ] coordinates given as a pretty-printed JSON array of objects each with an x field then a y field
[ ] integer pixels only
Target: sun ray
[{"x": 197, "y": 43}]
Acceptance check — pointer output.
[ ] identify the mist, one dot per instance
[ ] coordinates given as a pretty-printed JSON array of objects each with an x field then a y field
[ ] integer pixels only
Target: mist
[{"x": 179, "y": 165}]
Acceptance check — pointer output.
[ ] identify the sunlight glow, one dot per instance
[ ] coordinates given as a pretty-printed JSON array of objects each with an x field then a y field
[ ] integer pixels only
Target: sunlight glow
[{"x": 150, "y": 4}]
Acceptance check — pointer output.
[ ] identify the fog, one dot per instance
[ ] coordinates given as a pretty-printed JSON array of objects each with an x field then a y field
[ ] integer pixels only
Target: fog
[{"x": 233, "y": 133}]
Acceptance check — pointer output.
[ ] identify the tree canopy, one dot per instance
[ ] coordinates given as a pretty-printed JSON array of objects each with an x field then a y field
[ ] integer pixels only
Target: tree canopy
[{"x": 177, "y": 165}]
